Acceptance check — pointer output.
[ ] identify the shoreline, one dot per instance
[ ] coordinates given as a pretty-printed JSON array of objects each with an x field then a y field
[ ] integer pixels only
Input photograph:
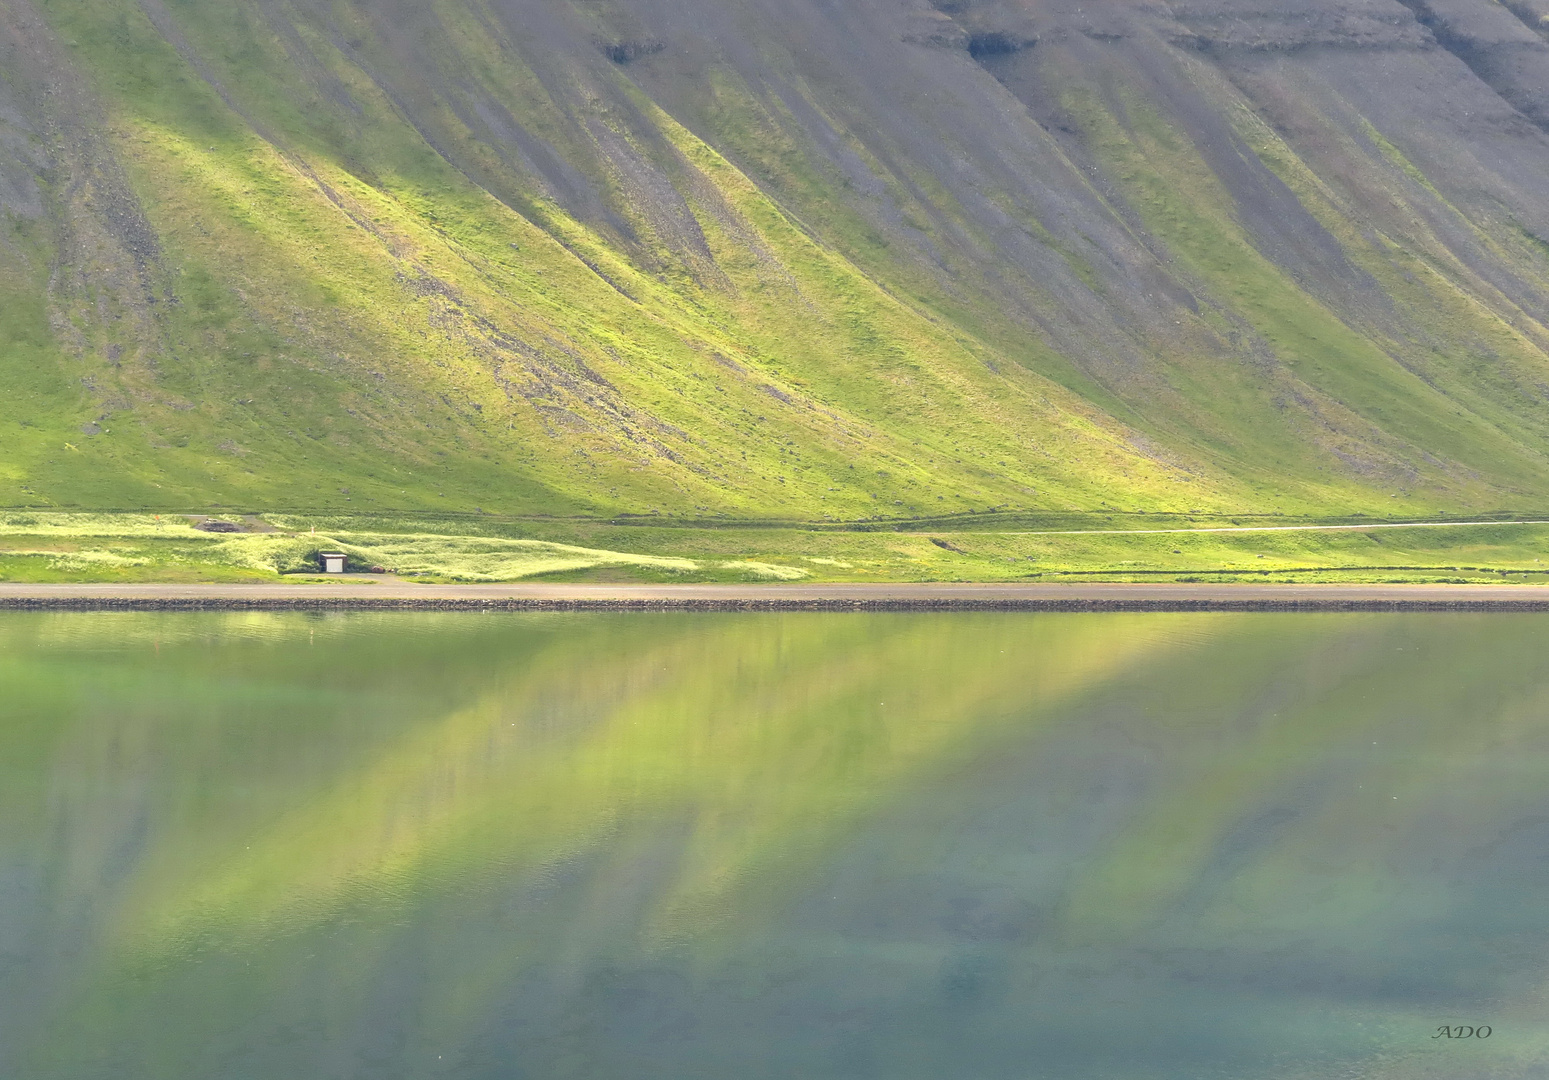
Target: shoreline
[{"x": 380, "y": 595}]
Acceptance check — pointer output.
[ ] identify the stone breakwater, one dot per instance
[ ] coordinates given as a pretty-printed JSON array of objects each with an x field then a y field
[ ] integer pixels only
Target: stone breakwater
[{"x": 766, "y": 604}]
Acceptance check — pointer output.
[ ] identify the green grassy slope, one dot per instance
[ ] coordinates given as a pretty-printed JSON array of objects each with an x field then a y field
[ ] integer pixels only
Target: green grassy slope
[{"x": 589, "y": 259}]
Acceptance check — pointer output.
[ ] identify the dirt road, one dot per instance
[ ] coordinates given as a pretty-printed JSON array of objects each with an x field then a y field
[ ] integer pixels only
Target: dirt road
[{"x": 379, "y": 594}]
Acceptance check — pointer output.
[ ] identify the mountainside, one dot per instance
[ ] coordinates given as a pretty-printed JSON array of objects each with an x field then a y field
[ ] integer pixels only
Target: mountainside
[{"x": 775, "y": 258}]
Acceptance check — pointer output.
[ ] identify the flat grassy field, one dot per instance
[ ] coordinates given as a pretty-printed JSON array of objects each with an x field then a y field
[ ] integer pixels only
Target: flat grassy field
[{"x": 57, "y": 547}]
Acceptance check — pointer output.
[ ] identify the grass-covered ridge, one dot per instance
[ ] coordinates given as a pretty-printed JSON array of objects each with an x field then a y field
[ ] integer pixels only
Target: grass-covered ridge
[{"x": 585, "y": 260}]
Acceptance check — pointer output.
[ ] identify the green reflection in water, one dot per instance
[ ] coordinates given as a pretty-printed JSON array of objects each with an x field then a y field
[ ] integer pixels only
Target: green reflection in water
[{"x": 997, "y": 846}]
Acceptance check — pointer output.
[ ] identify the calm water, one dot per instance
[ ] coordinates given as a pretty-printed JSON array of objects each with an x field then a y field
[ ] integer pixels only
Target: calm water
[{"x": 638, "y": 847}]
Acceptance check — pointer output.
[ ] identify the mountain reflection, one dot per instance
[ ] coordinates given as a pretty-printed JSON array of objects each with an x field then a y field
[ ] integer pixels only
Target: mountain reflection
[{"x": 797, "y": 845}]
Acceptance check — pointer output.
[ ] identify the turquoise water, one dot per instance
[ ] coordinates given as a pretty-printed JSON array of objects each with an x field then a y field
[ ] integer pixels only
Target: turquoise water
[{"x": 631, "y": 847}]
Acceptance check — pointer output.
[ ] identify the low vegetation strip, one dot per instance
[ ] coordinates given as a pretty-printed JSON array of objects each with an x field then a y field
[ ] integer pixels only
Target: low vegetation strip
[{"x": 124, "y": 547}]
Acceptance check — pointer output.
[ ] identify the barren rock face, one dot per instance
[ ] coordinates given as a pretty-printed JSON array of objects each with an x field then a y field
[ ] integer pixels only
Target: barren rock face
[
  {"x": 21, "y": 155},
  {"x": 1278, "y": 250},
  {"x": 1253, "y": 24}
]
